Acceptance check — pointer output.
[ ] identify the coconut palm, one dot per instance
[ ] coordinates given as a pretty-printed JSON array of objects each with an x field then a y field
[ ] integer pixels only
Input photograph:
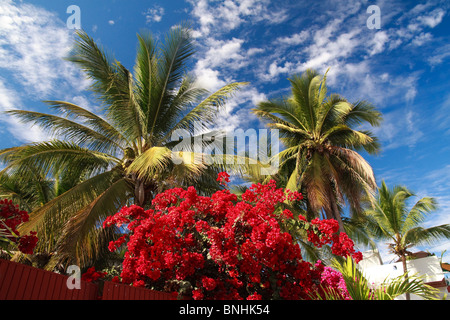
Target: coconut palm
[
  {"x": 388, "y": 218},
  {"x": 124, "y": 153},
  {"x": 322, "y": 141}
]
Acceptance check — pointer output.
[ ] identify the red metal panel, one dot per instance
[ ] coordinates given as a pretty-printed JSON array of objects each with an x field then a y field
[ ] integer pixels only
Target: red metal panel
[
  {"x": 37, "y": 284},
  {"x": 16, "y": 272},
  {"x": 4, "y": 280},
  {"x": 44, "y": 288},
  {"x": 66, "y": 293},
  {"x": 59, "y": 283},
  {"x": 82, "y": 291},
  {"x": 133, "y": 294},
  {"x": 50, "y": 288},
  {"x": 7, "y": 281},
  {"x": 127, "y": 290},
  {"x": 32, "y": 277},
  {"x": 22, "y": 282},
  {"x": 106, "y": 290},
  {"x": 93, "y": 291},
  {"x": 18, "y": 281},
  {"x": 121, "y": 292}
]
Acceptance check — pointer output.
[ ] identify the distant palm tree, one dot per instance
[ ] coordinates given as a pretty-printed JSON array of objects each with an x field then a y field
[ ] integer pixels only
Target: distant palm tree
[
  {"x": 322, "y": 142},
  {"x": 28, "y": 192},
  {"x": 124, "y": 155},
  {"x": 388, "y": 218}
]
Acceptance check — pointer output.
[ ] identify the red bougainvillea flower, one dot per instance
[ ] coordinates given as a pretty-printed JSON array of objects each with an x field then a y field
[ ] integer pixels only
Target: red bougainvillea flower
[
  {"x": 27, "y": 243},
  {"x": 91, "y": 275},
  {"x": 219, "y": 247},
  {"x": 223, "y": 178},
  {"x": 10, "y": 218}
]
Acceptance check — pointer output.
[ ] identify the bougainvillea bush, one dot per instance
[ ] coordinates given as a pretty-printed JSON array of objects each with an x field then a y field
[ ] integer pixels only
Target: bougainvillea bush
[
  {"x": 10, "y": 218},
  {"x": 220, "y": 247}
]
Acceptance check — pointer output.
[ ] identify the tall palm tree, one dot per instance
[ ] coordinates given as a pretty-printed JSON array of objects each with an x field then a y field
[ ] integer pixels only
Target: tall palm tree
[
  {"x": 124, "y": 154},
  {"x": 388, "y": 218},
  {"x": 322, "y": 142}
]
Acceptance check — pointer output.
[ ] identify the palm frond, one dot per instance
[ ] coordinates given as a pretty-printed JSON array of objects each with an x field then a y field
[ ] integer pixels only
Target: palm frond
[
  {"x": 363, "y": 111},
  {"x": 359, "y": 288},
  {"x": 68, "y": 130},
  {"x": 53, "y": 156},
  {"x": 86, "y": 223},
  {"x": 420, "y": 235},
  {"x": 419, "y": 212},
  {"x": 95, "y": 62},
  {"x": 206, "y": 111},
  {"x": 177, "y": 48},
  {"x": 91, "y": 119}
]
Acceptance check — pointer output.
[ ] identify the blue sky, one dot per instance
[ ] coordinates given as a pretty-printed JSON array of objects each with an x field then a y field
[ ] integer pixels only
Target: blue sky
[{"x": 402, "y": 68}]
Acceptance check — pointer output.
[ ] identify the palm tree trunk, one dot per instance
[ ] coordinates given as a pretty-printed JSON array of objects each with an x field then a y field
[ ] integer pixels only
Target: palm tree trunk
[
  {"x": 335, "y": 213},
  {"x": 139, "y": 193},
  {"x": 405, "y": 271}
]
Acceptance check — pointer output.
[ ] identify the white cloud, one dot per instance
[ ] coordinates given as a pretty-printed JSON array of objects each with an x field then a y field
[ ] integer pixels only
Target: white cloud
[
  {"x": 275, "y": 71},
  {"x": 400, "y": 128},
  {"x": 208, "y": 78},
  {"x": 254, "y": 51},
  {"x": 9, "y": 100},
  {"x": 223, "y": 53},
  {"x": 154, "y": 14},
  {"x": 422, "y": 39},
  {"x": 433, "y": 18},
  {"x": 439, "y": 55},
  {"x": 236, "y": 115},
  {"x": 295, "y": 39},
  {"x": 230, "y": 14},
  {"x": 378, "y": 42},
  {"x": 33, "y": 42}
]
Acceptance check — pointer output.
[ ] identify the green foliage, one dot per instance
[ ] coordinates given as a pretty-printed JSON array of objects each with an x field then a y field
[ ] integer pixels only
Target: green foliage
[
  {"x": 321, "y": 142},
  {"x": 389, "y": 218},
  {"x": 99, "y": 162},
  {"x": 359, "y": 288}
]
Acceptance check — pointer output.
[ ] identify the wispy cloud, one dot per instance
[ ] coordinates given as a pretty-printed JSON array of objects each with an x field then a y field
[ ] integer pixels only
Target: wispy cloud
[
  {"x": 337, "y": 39},
  {"x": 154, "y": 14},
  {"x": 9, "y": 99},
  {"x": 229, "y": 15},
  {"x": 33, "y": 42}
]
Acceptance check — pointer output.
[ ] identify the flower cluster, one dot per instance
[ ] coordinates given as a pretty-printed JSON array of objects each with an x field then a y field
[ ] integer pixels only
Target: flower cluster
[
  {"x": 323, "y": 232},
  {"x": 10, "y": 218},
  {"x": 91, "y": 275},
  {"x": 332, "y": 281},
  {"x": 218, "y": 247},
  {"x": 223, "y": 178}
]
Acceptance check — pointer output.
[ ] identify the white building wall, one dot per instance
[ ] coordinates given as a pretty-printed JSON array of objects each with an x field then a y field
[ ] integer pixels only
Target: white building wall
[{"x": 428, "y": 267}]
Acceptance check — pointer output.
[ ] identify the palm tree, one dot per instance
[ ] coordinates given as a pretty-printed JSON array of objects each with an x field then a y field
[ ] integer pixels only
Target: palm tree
[
  {"x": 28, "y": 192},
  {"x": 321, "y": 156},
  {"x": 124, "y": 154},
  {"x": 388, "y": 218}
]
